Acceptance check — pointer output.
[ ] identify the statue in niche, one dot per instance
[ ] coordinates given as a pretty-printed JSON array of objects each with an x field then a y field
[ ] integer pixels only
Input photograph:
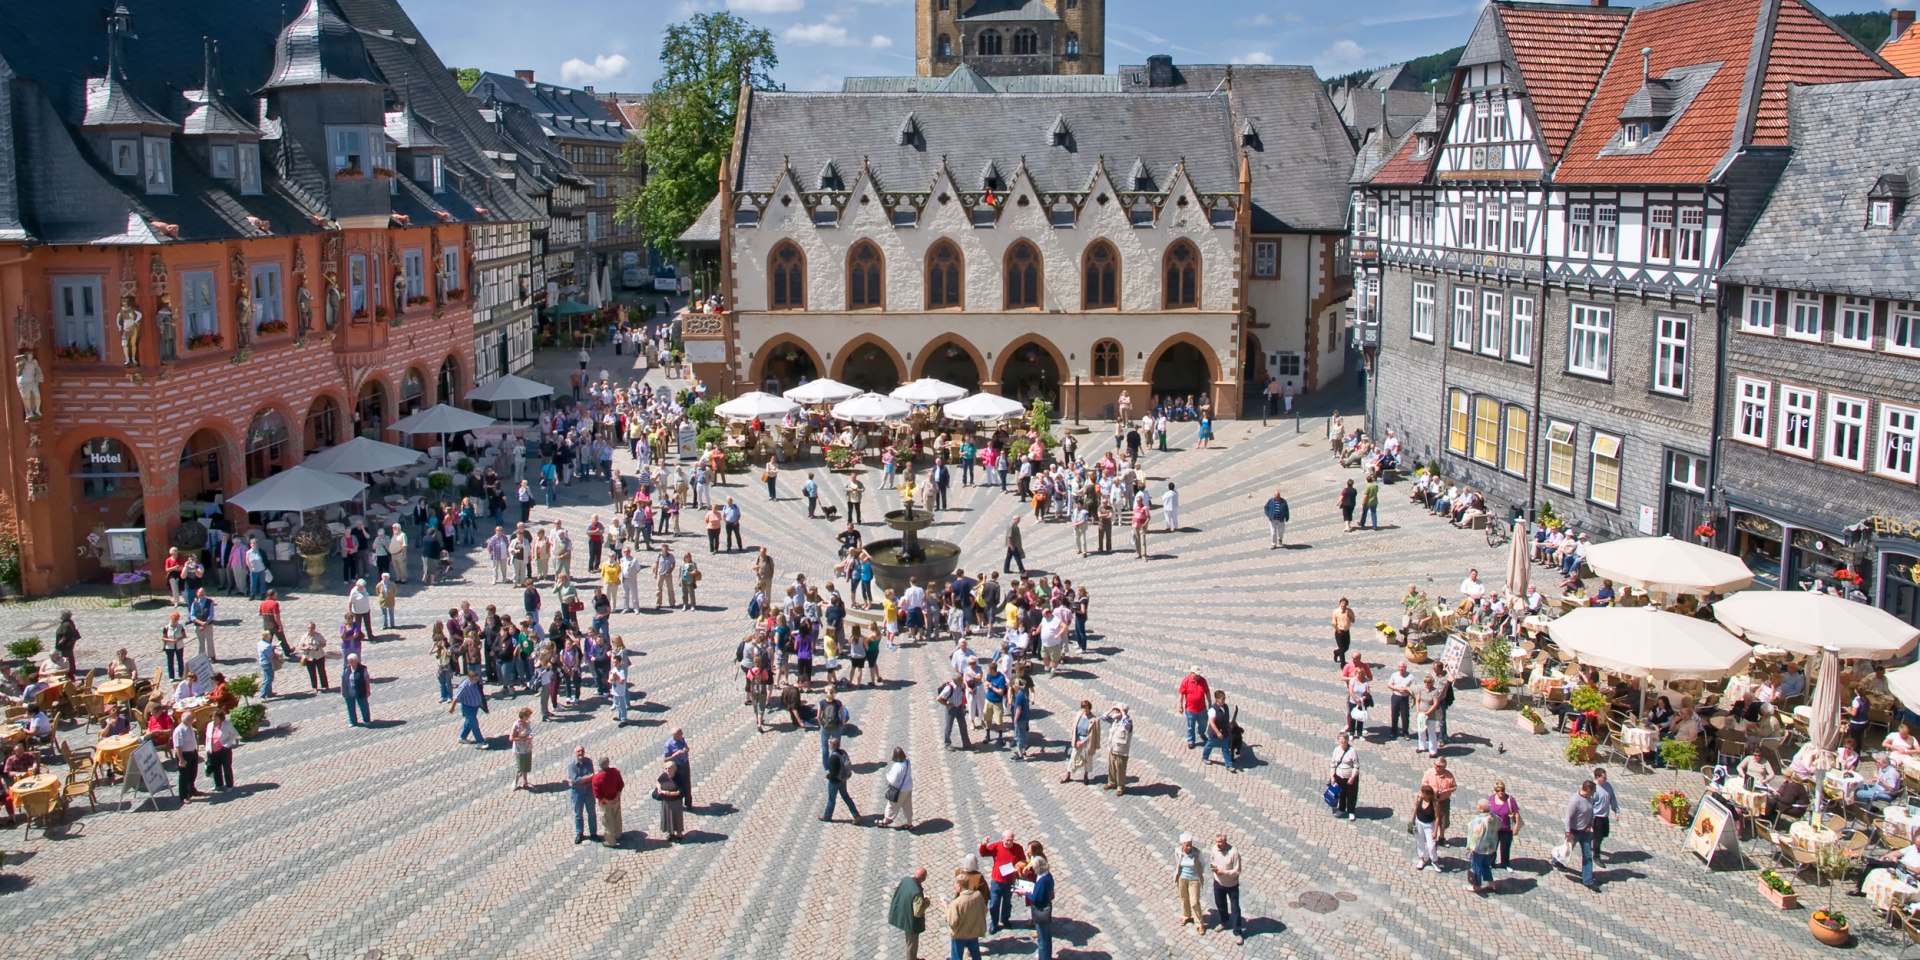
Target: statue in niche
[
  {"x": 302, "y": 309},
  {"x": 399, "y": 293},
  {"x": 163, "y": 318},
  {"x": 128, "y": 320},
  {"x": 332, "y": 316},
  {"x": 243, "y": 317},
  {"x": 28, "y": 376}
]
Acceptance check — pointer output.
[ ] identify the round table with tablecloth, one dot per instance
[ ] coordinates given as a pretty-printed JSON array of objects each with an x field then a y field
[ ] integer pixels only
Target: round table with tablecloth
[
  {"x": 38, "y": 783},
  {"x": 1809, "y": 837},
  {"x": 1640, "y": 740},
  {"x": 1887, "y": 889},
  {"x": 1901, "y": 817},
  {"x": 114, "y": 691},
  {"x": 1752, "y": 801},
  {"x": 113, "y": 751}
]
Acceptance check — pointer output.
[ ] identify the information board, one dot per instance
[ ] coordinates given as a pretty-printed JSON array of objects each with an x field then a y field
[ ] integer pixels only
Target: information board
[
  {"x": 145, "y": 775},
  {"x": 1712, "y": 832},
  {"x": 201, "y": 666},
  {"x": 1454, "y": 655}
]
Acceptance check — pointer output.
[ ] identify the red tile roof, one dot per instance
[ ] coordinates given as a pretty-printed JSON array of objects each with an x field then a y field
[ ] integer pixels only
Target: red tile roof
[
  {"x": 1805, "y": 49},
  {"x": 1561, "y": 50},
  {"x": 1404, "y": 168},
  {"x": 1904, "y": 53}
]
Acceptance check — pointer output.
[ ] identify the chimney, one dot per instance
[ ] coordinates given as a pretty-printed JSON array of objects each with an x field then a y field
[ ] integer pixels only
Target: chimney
[
  {"x": 524, "y": 76},
  {"x": 1599, "y": 3},
  {"x": 1902, "y": 22},
  {"x": 1160, "y": 70},
  {"x": 1646, "y": 63},
  {"x": 589, "y": 89}
]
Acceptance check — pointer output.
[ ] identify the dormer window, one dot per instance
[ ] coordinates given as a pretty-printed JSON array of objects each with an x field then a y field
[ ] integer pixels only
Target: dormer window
[
  {"x": 222, "y": 160},
  {"x": 249, "y": 158},
  {"x": 1423, "y": 144},
  {"x": 429, "y": 171},
  {"x": 1888, "y": 198},
  {"x": 348, "y": 149},
  {"x": 126, "y": 158},
  {"x": 159, "y": 164},
  {"x": 1880, "y": 213},
  {"x": 1633, "y": 134}
]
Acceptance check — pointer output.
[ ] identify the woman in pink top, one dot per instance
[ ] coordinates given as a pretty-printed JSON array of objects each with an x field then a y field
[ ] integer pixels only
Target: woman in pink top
[{"x": 1506, "y": 816}]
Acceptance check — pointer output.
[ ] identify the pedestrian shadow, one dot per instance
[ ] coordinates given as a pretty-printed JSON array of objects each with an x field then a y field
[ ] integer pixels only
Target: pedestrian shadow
[
  {"x": 566, "y": 717},
  {"x": 554, "y": 786},
  {"x": 239, "y": 792},
  {"x": 1069, "y": 674},
  {"x": 385, "y": 724},
  {"x": 1257, "y": 926},
  {"x": 1296, "y": 546},
  {"x": 1372, "y": 813},
  {"x": 1156, "y": 790},
  {"x": 1078, "y": 932},
  {"x": 931, "y": 825},
  {"x": 14, "y": 883},
  {"x": 1106, "y": 651},
  {"x": 385, "y": 679},
  {"x": 271, "y": 732},
  {"x": 1163, "y": 556},
  {"x": 1628, "y": 856},
  {"x": 702, "y": 837},
  {"x": 649, "y": 707}
]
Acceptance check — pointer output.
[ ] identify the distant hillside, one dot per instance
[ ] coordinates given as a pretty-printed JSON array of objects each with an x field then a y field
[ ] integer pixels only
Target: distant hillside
[{"x": 1868, "y": 28}]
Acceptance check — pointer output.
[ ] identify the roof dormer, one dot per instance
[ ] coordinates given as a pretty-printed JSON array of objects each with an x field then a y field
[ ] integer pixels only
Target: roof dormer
[
  {"x": 1653, "y": 108},
  {"x": 1887, "y": 201},
  {"x": 909, "y": 134},
  {"x": 134, "y": 139},
  {"x": 319, "y": 48},
  {"x": 1058, "y": 134}
]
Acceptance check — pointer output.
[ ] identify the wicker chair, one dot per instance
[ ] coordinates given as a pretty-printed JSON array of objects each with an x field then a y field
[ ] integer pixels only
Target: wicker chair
[
  {"x": 79, "y": 785},
  {"x": 40, "y": 805}
]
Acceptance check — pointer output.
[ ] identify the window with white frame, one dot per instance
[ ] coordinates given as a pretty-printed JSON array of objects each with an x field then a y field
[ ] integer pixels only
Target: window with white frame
[
  {"x": 1390, "y": 223},
  {"x": 1493, "y": 216},
  {"x": 1603, "y": 470},
  {"x": 264, "y": 285},
  {"x": 1513, "y": 455},
  {"x": 1469, "y": 223},
  {"x": 1428, "y": 222},
  {"x": 1606, "y": 229},
  {"x": 126, "y": 157},
  {"x": 1756, "y": 315},
  {"x": 1660, "y": 233},
  {"x": 1266, "y": 258},
  {"x": 250, "y": 169},
  {"x": 1796, "y": 421},
  {"x": 1590, "y": 341},
  {"x": 1899, "y": 434},
  {"x": 1670, "y": 348},
  {"x": 76, "y": 313},
  {"x": 197, "y": 309},
  {"x": 1580, "y": 229},
  {"x": 159, "y": 156},
  {"x": 351, "y": 149},
  {"x": 1903, "y": 329},
  {"x": 1459, "y": 421},
  {"x": 1854, "y": 327},
  {"x": 1486, "y": 430},
  {"x": 1517, "y": 227},
  {"x": 1804, "y": 319},
  {"x": 1560, "y": 457},
  {"x": 1520, "y": 331},
  {"x": 1846, "y": 431},
  {"x": 429, "y": 171},
  {"x": 1492, "y": 304},
  {"x": 1462, "y": 318},
  {"x": 449, "y": 269},
  {"x": 1752, "y": 411},
  {"x": 221, "y": 160},
  {"x": 357, "y": 285},
  {"x": 413, "y": 265},
  {"x": 1880, "y": 213},
  {"x": 1422, "y": 328},
  {"x": 1693, "y": 235}
]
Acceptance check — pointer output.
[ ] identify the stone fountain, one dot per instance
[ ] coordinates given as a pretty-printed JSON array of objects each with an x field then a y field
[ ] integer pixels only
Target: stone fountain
[{"x": 910, "y": 557}]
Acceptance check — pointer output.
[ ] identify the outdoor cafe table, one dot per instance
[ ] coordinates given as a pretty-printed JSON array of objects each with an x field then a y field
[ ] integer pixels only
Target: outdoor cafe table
[
  {"x": 113, "y": 751},
  {"x": 1752, "y": 801},
  {"x": 1886, "y": 890},
  {"x": 1809, "y": 837},
  {"x": 38, "y": 783},
  {"x": 1640, "y": 740},
  {"x": 1901, "y": 817},
  {"x": 114, "y": 691}
]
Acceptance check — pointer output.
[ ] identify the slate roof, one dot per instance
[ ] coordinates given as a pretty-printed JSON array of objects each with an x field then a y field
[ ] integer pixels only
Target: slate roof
[
  {"x": 1361, "y": 109},
  {"x": 1685, "y": 33},
  {"x": 1302, "y": 157},
  {"x": 1845, "y": 138},
  {"x": 1024, "y": 83},
  {"x": 1009, "y": 10},
  {"x": 109, "y": 104},
  {"x": 54, "y": 188},
  {"x": 705, "y": 231},
  {"x": 1904, "y": 53},
  {"x": 317, "y": 47},
  {"x": 1401, "y": 165},
  {"x": 565, "y": 112}
]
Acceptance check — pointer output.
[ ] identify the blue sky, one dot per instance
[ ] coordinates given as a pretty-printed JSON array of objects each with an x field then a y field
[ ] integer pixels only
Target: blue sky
[{"x": 615, "y": 44}]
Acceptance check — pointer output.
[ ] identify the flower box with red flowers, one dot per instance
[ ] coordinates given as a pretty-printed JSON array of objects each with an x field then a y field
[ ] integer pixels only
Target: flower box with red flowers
[
  {"x": 274, "y": 326},
  {"x": 1848, "y": 577},
  {"x": 203, "y": 341},
  {"x": 77, "y": 354},
  {"x": 1704, "y": 531}
]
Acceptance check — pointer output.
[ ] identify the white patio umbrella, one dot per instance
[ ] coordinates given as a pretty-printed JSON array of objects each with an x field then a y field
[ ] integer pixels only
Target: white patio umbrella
[
  {"x": 362, "y": 456},
  {"x": 510, "y": 388},
  {"x": 871, "y": 408},
  {"x": 1904, "y": 684},
  {"x": 983, "y": 407},
  {"x": 443, "y": 421},
  {"x": 1668, "y": 566},
  {"x": 593, "y": 290},
  {"x": 756, "y": 406},
  {"x": 1811, "y": 623},
  {"x": 296, "y": 490},
  {"x": 926, "y": 391},
  {"x": 1648, "y": 642},
  {"x": 821, "y": 391}
]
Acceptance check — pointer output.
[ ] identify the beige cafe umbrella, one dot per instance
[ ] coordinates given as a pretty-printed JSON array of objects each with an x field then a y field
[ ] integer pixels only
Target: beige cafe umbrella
[
  {"x": 1648, "y": 642},
  {"x": 1904, "y": 684},
  {"x": 1517, "y": 561},
  {"x": 1667, "y": 566}
]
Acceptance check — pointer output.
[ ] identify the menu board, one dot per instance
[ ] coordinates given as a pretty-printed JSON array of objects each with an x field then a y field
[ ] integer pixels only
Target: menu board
[{"x": 1712, "y": 832}]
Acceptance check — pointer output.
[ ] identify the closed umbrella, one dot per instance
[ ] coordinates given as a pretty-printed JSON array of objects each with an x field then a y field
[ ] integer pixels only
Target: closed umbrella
[
  {"x": 756, "y": 406},
  {"x": 296, "y": 490},
  {"x": 927, "y": 391},
  {"x": 1518, "y": 566},
  {"x": 821, "y": 391},
  {"x": 871, "y": 408},
  {"x": 982, "y": 408},
  {"x": 1667, "y": 566}
]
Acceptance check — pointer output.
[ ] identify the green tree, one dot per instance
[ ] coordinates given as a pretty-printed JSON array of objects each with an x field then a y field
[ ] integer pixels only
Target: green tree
[
  {"x": 690, "y": 117},
  {"x": 467, "y": 76}
]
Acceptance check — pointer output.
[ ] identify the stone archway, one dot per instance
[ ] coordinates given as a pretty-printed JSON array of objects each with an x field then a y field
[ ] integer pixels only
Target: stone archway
[
  {"x": 785, "y": 364},
  {"x": 869, "y": 363},
  {"x": 324, "y": 426},
  {"x": 372, "y": 410},
  {"x": 952, "y": 359},
  {"x": 266, "y": 447},
  {"x": 104, "y": 471},
  {"x": 1031, "y": 370},
  {"x": 447, "y": 385}
]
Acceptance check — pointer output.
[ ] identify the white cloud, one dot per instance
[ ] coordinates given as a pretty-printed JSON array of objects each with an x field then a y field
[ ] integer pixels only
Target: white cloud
[
  {"x": 1343, "y": 53},
  {"x": 1262, "y": 20},
  {"x": 817, "y": 35},
  {"x": 605, "y": 67},
  {"x": 1257, "y": 56},
  {"x": 881, "y": 42},
  {"x": 765, "y": 6}
]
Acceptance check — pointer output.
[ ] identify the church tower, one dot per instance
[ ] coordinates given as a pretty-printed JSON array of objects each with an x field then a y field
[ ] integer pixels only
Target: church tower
[{"x": 1010, "y": 37}]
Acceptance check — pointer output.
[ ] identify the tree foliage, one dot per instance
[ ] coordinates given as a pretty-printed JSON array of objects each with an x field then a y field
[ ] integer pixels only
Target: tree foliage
[
  {"x": 467, "y": 76},
  {"x": 690, "y": 116}
]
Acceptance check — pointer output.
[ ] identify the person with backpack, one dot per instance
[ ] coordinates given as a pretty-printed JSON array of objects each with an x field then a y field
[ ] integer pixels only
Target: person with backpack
[
  {"x": 952, "y": 697},
  {"x": 839, "y": 770},
  {"x": 833, "y": 719},
  {"x": 1443, "y": 686}
]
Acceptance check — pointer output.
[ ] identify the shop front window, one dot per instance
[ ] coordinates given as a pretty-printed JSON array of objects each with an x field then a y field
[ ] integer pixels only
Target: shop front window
[
  {"x": 1819, "y": 558},
  {"x": 1900, "y": 586},
  {"x": 1758, "y": 543}
]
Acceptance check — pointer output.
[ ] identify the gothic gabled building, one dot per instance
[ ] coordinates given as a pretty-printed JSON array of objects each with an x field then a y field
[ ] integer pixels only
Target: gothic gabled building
[{"x": 1547, "y": 248}]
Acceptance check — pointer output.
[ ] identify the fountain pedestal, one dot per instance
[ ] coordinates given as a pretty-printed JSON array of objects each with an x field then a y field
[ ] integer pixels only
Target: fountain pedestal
[{"x": 910, "y": 557}]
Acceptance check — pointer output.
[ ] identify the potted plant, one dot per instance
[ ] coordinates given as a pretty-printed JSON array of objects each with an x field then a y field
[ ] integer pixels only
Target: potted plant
[
  {"x": 9, "y": 565},
  {"x": 463, "y": 465},
  {"x": 130, "y": 583},
  {"x": 1680, "y": 756},
  {"x": 1416, "y": 651},
  {"x": 24, "y": 649},
  {"x": 1829, "y": 926},
  {"x": 1673, "y": 807},
  {"x": 248, "y": 717},
  {"x": 1547, "y": 518},
  {"x": 1778, "y": 890},
  {"x": 1496, "y": 668},
  {"x": 439, "y": 480},
  {"x": 1386, "y": 631},
  {"x": 1591, "y": 703},
  {"x": 77, "y": 354},
  {"x": 268, "y": 327},
  {"x": 1581, "y": 748},
  {"x": 1531, "y": 721},
  {"x": 202, "y": 341},
  {"x": 314, "y": 542}
]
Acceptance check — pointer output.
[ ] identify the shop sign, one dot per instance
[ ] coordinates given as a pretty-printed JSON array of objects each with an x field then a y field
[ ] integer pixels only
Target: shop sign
[{"x": 1887, "y": 526}]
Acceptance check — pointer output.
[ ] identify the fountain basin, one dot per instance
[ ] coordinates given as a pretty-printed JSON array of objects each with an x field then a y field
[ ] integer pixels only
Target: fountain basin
[
  {"x": 929, "y": 561},
  {"x": 901, "y": 522}
]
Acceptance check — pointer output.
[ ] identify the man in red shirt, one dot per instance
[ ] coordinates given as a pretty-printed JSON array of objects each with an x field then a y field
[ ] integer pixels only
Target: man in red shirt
[
  {"x": 271, "y": 623},
  {"x": 1194, "y": 695},
  {"x": 607, "y": 784},
  {"x": 1357, "y": 667},
  {"x": 1008, "y": 857}
]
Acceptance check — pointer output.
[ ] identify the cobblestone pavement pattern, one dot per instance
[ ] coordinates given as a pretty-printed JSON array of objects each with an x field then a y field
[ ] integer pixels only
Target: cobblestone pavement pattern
[{"x": 397, "y": 842}]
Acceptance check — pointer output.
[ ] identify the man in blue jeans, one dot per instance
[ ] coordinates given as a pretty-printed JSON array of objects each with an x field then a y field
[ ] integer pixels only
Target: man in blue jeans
[
  {"x": 1579, "y": 826},
  {"x": 1194, "y": 695},
  {"x": 839, "y": 769},
  {"x": 355, "y": 684},
  {"x": 586, "y": 820},
  {"x": 1219, "y": 730},
  {"x": 471, "y": 700}
]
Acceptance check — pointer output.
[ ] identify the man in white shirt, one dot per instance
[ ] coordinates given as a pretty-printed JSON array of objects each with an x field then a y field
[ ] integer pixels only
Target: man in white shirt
[
  {"x": 1471, "y": 587},
  {"x": 397, "y": 553},
  {"x": 1399, "y": 689},
  {"x": 913, "y": 608},
  {"x": 961, "y": 658},
  {"x": 360, "y": 604},
  {"x": 632, "y": 569}
]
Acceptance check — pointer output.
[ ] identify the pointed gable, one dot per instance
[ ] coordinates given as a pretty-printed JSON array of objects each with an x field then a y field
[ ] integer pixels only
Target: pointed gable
[
  {"x": 1561, "y": 52},
  {"x": 1807, "y": 49}
]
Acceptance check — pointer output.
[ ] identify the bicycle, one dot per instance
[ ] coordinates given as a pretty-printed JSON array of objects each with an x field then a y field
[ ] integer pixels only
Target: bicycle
[{"x": 1498, "y": 531}]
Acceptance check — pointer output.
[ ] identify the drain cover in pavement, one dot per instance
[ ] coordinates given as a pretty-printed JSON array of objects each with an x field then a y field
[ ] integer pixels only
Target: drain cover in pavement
[
  {"x": 1319, "y": 902},
  {"x": 1345, "y": 897},
  {"x": 38, "y": 625}
]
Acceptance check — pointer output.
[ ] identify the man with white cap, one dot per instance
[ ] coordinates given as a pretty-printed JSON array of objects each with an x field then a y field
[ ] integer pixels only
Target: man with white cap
[
  {"x": 1119, "y": 744},
  {"x": 360, "y": 607}
]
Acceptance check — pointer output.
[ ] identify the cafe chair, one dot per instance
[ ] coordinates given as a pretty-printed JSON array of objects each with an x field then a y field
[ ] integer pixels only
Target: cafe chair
[
  {"x": 76, "y": 762},
  {"x": 1800, "y": 860},
  {"x": 39, "y": 806},
  {"x": 1909, "y": 926},
  {"x": 79, "y": 785}
]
